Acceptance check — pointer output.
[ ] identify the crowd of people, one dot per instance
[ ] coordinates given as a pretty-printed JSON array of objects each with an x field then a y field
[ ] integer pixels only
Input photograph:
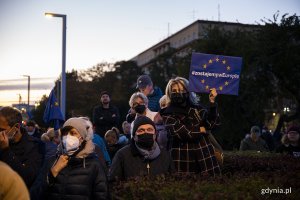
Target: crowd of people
[
  {"x": 262, "y": 140},
  {"x": 162, "y": 134}
]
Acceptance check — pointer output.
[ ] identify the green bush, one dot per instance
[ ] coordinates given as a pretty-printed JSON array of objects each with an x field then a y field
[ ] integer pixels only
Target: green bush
[{"x": 244, "y": 176}]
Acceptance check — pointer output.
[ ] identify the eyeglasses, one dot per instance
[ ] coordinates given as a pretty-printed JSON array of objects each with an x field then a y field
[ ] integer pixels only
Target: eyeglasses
[{"x": 148, "y": 130}]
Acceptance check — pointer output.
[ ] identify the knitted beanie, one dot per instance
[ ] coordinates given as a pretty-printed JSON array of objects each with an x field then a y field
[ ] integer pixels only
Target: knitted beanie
[
  {"x": 82, "y": 126},
  {"x": 141, "y": 120}
]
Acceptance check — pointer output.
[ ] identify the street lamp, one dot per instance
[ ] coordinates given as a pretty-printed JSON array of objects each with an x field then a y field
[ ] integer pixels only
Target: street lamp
[
  {"x": 63, "y": 72},
  {"x": 28, "y": 90}
]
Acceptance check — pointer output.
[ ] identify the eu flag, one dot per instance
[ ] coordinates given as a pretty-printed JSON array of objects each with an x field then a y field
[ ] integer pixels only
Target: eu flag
[
  {"x": 209, "y": 71},
  {"x": 52, "y": 112}
]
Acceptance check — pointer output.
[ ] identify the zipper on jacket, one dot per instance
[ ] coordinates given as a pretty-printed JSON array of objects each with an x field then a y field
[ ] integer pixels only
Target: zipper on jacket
[{"x": 148, "y": 168}]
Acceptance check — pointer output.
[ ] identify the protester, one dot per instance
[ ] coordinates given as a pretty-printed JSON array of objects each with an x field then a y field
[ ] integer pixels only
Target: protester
[
  {"x": 32, "y": 129},
  {"x": 51, "y": 140},
  {"x": 143, "y": 156},
  {"x": 105, "y": 116},
  {"x": 112, "y": 140},
  {"x": 76, "y": 173},
  {"x": 123, "y": 140},
  {"x": 126, "y": 130},
  {"x": 254, "y": 142},
  {"x": 153, "y": 94},
  {"x": 188, "y": 124},
  {"x": 145, "y": 85},
  {"x": 11, "y": 184},
  {"x": 291, "y": 142},
  {"x": 139, "y": 105},
  {"x": 163, "y": 137},
  {"x": 21, "y": 152}
]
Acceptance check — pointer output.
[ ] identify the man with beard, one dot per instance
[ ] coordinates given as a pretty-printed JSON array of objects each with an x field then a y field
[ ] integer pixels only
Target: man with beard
[
  {"x": 23, "y": 153},
  {"x": 105, "y": 116}
]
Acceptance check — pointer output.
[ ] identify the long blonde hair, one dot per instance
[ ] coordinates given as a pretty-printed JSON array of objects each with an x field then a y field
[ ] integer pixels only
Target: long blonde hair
[{"x": 185, "y": 84}]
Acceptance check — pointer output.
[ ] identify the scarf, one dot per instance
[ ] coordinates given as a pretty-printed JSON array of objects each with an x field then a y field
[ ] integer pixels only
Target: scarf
[{"x": 149, "y": 154}]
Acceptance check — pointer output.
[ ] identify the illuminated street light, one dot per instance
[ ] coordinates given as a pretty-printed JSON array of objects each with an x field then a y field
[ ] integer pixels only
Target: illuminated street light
[{"x": 63, "y": 72}]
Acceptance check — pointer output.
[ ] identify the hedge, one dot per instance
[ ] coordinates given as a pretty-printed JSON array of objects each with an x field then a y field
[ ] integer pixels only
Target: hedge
[{"x": 245, "y": 175}]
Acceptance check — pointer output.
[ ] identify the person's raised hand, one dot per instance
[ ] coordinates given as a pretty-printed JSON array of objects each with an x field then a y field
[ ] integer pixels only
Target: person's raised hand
[
  {"x": 212, "y": 95},
  {"x": 59, "y": 165}
]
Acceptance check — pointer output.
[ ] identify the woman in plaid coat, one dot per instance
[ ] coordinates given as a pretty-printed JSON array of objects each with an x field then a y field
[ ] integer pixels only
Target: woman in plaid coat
[{"x": 188, "y": 124}]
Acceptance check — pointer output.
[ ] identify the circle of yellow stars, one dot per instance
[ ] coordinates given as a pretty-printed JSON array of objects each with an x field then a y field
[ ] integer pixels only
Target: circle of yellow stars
[{"x": 217, "y": 60}]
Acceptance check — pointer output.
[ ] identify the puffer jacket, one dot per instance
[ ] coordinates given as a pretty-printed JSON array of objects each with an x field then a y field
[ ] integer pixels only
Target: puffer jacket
[{"x": 82, "y": 178}]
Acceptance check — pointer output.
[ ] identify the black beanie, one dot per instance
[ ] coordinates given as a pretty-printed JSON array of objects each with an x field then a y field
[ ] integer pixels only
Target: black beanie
[{"x": 141, "y": 120}]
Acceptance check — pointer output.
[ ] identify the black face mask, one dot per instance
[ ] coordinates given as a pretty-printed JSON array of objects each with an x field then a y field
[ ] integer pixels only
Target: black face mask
[
  {"x": 140, "y": 109},
  {"x": 145, "y": 141},
  {"x": 179, "y": 98}
]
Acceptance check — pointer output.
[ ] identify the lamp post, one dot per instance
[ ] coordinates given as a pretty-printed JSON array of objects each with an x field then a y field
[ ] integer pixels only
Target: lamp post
[
  {"x": 28, "y": 90},
  {"x": 63, "y": 72}
]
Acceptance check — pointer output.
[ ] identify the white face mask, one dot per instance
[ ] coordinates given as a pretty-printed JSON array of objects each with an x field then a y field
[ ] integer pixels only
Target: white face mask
[{"x": 71, "y": 144}]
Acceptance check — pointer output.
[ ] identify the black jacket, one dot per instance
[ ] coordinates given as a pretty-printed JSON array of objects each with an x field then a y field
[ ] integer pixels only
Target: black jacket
[
  {"x": 82, "y": 178},
  {"x": 105, "y": 118},
  {"x": 129, "y": 163},
  {"x": 25, "y": 157}
]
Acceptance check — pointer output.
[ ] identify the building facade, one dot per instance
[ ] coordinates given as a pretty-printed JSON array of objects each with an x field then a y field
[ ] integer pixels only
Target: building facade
[{"x": 181, "y": 40}]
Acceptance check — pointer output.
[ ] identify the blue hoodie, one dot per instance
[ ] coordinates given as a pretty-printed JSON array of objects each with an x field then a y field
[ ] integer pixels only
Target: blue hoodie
[{"x": 154, "y": 98}]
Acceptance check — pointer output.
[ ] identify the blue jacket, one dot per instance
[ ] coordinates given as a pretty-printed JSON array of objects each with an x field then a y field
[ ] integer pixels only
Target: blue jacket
[
  {"x": 154, "y": 98},
  {"x": 100, "y": 142}
]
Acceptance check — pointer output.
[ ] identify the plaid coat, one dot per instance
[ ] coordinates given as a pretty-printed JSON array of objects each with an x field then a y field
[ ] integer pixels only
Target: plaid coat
[{"x": 192, "y": 151}]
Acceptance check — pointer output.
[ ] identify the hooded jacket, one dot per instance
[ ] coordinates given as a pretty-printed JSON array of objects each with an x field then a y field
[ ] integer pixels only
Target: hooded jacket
[{"x": 84, "y": 177}]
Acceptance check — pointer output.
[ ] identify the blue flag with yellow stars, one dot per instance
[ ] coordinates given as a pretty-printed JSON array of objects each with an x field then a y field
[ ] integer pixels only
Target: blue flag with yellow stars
[
  {"x": 209, "y": 71},
  {"x": 52, "y": 112}
]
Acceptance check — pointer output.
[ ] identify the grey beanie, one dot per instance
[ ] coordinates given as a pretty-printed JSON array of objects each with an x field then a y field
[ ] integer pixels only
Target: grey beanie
[{"x": 82, "y": 126}]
